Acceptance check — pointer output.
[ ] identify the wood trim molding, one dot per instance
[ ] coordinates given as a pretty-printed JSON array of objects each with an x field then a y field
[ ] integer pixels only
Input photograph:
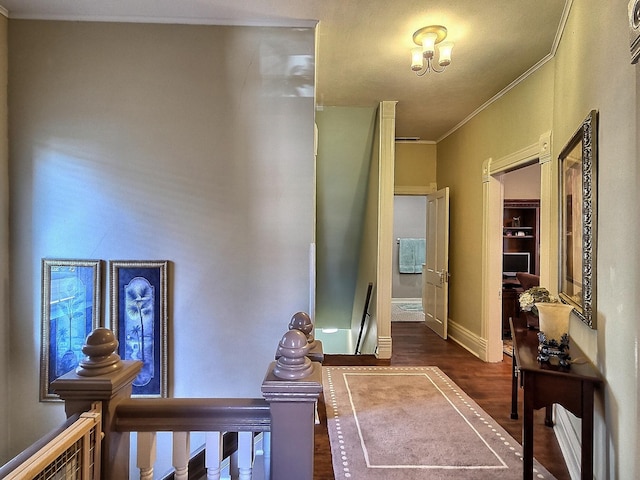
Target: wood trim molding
[
  {"x": 569, "y": 440},
  {"x": 416, "y": 189},
  {"x": 468, "y": 340},
  {"x": 492, "y": 197},
  {"x": 385, "y": 227}
]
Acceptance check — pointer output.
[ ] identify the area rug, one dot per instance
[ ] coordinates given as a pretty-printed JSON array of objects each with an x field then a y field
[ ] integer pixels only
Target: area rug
[
  {"x": 407, "y": 312},
  {"x": 410, "y": 306},
  {"x": 412, "y": 423}
]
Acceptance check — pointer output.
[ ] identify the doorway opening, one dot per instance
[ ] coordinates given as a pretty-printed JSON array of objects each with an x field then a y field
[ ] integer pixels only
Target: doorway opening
[
  {"x": 520, "y": 241},
  {"x": 409, "y": 234},
  {"x": 490, "y": 347}
]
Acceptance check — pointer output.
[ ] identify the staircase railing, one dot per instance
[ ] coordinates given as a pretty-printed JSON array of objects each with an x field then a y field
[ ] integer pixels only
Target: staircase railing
[
  {"x": 181, "y": 416},
  {"x": 285, "y": 416},
  {"x": 70, "y": 451}
]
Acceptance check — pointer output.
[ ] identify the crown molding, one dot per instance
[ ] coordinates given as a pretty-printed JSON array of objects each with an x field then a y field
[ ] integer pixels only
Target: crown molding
[
  {"x": 4, "y": 12},
  {"x": 521, "y": 78},
  {"x": 280, "y": 22},
  {"x": 418, "y": 142}
]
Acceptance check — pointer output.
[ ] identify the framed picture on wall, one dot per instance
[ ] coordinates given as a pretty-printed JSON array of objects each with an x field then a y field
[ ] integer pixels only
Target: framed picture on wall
[
  {"x": 138, "y": 292},
  {"x": 70, "y": 311},
  {"x": 578, "y": 220}
]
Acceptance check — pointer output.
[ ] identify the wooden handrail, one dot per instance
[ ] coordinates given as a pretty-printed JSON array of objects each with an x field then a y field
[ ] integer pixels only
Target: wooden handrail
[
  {"x": 285, "y": 414},
  {"x": 74, "y": 449},
  {"x": 193, "y": 415},
  {"x": 39, "y": 444}
]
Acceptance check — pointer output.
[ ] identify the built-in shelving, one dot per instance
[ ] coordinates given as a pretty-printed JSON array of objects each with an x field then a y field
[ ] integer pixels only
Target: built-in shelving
[
  {"x": 521, "y": 229},
  {"x": 520, "y": 233}
]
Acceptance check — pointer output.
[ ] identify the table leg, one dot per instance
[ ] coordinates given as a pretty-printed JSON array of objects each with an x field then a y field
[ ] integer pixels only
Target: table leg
[
  {"x": 587, "y": 431},
  {"x": 527, "y": 428},
  {"x": 514, "y": 389},
  {"x": 548, "y": 416}
]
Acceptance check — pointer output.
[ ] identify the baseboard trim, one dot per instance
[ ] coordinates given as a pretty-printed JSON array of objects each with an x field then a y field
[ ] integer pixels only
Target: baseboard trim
[
  {"x": 383, "y": 349},
  {"x": 468, "y": 340},
  {"x": 569, "y": 440}
]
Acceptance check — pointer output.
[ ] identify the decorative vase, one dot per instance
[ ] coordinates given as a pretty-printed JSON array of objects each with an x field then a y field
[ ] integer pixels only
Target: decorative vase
[
  {"x": 553, "y": 320},
  {"x": 553, "y": 336}
]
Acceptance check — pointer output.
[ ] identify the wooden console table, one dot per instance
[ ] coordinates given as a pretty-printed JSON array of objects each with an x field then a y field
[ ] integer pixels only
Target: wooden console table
[{"x": 546, "y": 384}]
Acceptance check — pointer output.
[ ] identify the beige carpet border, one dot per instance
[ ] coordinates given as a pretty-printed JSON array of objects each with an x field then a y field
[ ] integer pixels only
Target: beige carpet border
[{"x": 350, "y": 450}]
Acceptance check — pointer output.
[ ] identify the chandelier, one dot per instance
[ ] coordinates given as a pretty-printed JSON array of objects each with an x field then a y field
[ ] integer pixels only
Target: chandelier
[{"x": 423, "y": 56}]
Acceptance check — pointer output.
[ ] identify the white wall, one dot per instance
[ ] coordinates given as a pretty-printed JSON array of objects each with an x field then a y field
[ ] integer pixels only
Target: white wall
[
  {"x": 143, "y": 142},
  {"x": 607, "y": 83},
  {"x": 523, "y": 183}
]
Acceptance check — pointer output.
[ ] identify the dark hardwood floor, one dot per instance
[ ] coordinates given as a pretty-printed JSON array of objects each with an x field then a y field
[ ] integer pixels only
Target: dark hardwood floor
[{"x": 489, "y": 384}]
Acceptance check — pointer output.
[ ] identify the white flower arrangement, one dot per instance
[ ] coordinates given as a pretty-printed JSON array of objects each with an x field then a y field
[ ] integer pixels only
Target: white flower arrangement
[{"x": 534, "y": 295}]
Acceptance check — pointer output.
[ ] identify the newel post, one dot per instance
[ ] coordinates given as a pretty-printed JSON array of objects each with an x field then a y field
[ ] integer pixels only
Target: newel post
[
  {"x": 101, "y": 377},
  {"x": 302, "y": 321},
  {"x": 292, "y": 386}
]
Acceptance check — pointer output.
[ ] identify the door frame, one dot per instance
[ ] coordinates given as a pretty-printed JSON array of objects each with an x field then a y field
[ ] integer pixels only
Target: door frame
[
  {"x": 492, "y": 199},
  {"x": 387, "y": 132}
]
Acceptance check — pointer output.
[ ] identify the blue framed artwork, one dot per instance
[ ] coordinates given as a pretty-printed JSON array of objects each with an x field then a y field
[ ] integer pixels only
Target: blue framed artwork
[
  {"x": 138, "y": 291},
  {"x": 70, "y": 311}
]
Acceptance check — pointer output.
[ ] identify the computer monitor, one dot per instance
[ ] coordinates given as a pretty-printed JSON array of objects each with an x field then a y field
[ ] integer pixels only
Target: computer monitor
[{"x": 513, "y": 262}]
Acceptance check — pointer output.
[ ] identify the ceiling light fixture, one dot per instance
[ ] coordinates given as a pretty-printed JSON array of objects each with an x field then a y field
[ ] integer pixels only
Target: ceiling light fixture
[{"x": 422, "y": 57}]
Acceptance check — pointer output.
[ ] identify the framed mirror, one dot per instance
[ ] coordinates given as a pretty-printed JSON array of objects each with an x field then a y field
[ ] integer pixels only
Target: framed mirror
[{"x": 578, "y": 220}]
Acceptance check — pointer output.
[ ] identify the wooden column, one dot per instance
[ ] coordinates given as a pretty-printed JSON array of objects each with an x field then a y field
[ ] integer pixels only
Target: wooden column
[
  {"x": 101, "y": 377},
  {"x": 292, "y": 386}
]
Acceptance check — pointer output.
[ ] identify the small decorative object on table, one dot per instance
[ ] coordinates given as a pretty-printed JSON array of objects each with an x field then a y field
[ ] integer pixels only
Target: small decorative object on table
[
  {"x": 553, "y": 321},
  {"x": 529, "y": 298},
  {"x": 553, "y": 336}
]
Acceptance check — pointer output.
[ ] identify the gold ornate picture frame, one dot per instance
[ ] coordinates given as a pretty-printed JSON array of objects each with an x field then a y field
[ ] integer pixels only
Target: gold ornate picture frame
[
  {"x": 578, "y": 220},
  {"x": 71, "y": 309},
  {"x": 138, "y": 311}
]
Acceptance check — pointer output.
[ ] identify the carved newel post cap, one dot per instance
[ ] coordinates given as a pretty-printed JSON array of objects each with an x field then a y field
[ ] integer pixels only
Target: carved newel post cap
[
  {"x": 302, "y": 321},
  {"x": 99, "y": 348},
  {"x": 293, "y": 363}
]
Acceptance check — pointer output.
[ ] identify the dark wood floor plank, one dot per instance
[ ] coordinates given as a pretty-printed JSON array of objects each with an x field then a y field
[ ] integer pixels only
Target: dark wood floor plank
[{"x": 489, "y": 384}]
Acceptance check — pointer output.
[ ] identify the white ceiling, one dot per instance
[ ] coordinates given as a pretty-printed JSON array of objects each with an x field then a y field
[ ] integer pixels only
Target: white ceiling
[{"x": 363, "y": 45}]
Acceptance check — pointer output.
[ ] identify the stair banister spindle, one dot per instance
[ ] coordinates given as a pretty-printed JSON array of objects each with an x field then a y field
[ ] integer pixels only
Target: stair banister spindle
[
  {"x": 181, "y": 454},
  {"x": 245, "y": 455},
  {"x": 146, "y": 454},
  {"x": 266, "y": 454},
  {"x": 213, "y": 455}
]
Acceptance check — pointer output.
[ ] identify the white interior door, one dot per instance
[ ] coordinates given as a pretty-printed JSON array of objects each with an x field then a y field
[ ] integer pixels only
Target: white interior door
[{"x": 435, "y": 272}]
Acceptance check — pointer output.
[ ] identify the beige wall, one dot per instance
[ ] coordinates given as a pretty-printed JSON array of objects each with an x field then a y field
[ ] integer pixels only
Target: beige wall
[
  {"x": 415, "y": 164},
  {"x": 4, "y": 247},
  {"x": 514, "y": 121},
  {"x": 558, "y": 97},
  {"x": 149, "y": 142}
]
